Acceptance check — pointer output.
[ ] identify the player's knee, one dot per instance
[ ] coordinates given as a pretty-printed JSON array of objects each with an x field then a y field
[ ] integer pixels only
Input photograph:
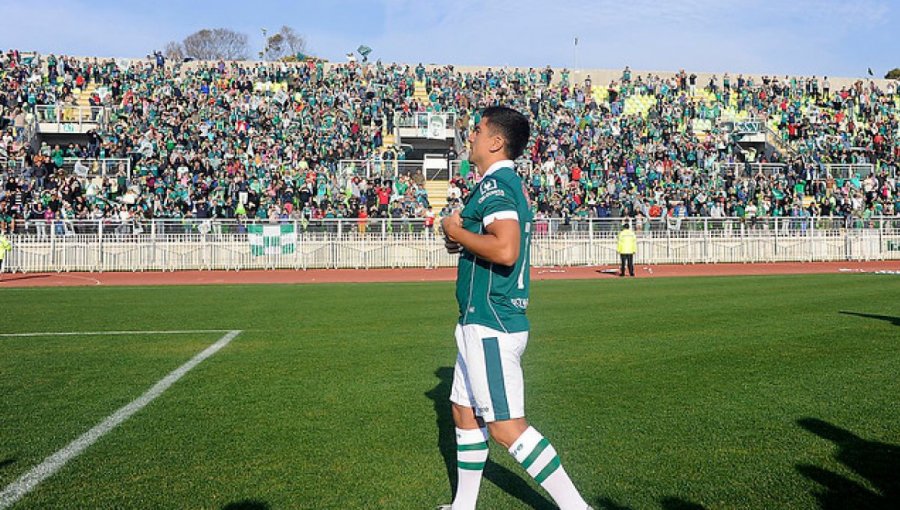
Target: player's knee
[
  {"x": 464, "y": 417},
  {"x": 506, "y": 432}
]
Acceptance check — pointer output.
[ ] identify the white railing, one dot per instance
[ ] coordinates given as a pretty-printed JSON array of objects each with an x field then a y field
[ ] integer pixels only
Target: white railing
[
  {"x": 174, "y": 245},
  {"x": 392, "y": 168},
  {"x": 370, "y": 168},
  {"x": 422, "y": 120},
  {"x": 751, "y": 169},
  {"x": 841, "y": 171},
  {"x": 748, "y": 126},
  {"x": 70, "y": 118},
  {"x": 85, "y": 168},
  {"x": 99, "y": 167},
  {"x": 820, "y": 171}
]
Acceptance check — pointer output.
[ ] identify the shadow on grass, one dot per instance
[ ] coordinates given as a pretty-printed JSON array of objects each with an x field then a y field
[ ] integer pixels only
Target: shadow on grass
[
  {"x": 510, "y": 482},
  {"x": 247, "y": 504},
  {"x": 608, "y": 504},
  {"x": 893, "y": 320},
  {"x": 672, "y": 503},
  {"x": 878, "y": 463},
  {"x": 7, "y": 462},
  {"x": 668, "y": 503}
]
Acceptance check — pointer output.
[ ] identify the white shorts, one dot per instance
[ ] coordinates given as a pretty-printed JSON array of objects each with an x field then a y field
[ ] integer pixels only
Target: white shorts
[{"x": 488, "y": 373}]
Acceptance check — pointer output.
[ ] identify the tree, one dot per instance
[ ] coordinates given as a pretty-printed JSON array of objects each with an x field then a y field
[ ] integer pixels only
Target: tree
[
  {"x": 174, "y": 51},
  {"x": 286, "y": 42},
  {"x": 275, "y": 47},
  {"x": 893, "y": 74},
  {"x": 215, "y": 44}
]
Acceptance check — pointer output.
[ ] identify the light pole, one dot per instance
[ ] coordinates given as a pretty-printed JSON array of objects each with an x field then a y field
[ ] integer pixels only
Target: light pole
[{"x": 262, "y": 54}]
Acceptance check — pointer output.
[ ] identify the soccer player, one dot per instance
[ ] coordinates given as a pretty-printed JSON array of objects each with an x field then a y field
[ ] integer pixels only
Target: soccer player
[{"x": 493, "y": 235}]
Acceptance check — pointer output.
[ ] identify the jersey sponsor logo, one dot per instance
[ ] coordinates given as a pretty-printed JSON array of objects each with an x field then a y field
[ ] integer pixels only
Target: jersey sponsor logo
[
  {"x": 488, "y": 185},
  {"x": 519, "y": 302},
  {"x": 489, "y": 194}
]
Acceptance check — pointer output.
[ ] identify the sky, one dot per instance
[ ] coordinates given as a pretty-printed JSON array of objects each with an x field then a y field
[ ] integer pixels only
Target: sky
[{"x": 841, "y": 38}]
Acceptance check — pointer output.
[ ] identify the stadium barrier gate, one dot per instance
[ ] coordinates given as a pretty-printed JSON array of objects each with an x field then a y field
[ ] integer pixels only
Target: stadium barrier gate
[{"x": 172, "y": 245}]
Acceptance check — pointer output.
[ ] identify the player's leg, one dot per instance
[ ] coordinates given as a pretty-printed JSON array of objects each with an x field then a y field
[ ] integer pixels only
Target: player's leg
[
  {"x": 471, "y": 434},
  {"x": 503, "y": 409},
  {"x": 471, "y": 456},
  {"x": 538, "y": 457}
]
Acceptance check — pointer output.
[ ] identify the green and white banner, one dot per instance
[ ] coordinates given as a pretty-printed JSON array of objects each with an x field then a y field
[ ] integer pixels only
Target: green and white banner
[{"x": 272, "y": 239}]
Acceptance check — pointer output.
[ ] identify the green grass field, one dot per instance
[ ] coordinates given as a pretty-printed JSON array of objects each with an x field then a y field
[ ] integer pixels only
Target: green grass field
[{"x": 741, "y": 392}]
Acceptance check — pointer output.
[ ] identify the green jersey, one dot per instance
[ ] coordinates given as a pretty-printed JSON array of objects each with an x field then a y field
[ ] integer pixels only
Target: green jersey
[{"x": 489, "y": 294}]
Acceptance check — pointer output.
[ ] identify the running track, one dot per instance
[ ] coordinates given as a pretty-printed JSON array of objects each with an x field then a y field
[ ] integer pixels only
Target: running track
[{"x": 418, "y": 275}]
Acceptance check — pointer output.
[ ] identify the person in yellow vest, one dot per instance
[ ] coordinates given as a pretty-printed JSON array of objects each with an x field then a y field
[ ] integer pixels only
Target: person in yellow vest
[
  {"x": 5, "y": 246},
  {"x": 626, "y": 246}
]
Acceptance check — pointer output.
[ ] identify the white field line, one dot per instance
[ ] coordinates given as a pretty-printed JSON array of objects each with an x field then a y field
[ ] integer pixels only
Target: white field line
[
  {"x": 95, "y": 333},
  {"x": 27, "y": 482}
]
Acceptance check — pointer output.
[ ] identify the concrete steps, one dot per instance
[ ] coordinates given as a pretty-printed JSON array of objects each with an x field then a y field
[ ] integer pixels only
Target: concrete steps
[
  {"x": 84, "y": 95},
  {"x": 437, "y": 194},
  {"x": 420, "y": 95}
]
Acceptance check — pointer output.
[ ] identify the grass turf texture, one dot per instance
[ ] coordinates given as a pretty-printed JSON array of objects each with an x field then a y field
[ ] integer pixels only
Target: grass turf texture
[{"x": 747, "y": 392}]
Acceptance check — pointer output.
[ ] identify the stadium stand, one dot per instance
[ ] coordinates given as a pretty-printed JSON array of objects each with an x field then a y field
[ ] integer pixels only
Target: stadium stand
[{"x": 89, "y": 138}]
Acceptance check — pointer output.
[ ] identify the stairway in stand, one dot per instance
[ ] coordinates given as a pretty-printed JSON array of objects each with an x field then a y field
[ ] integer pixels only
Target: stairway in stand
[
  {"x": 84, "y": 95},
  {"x": 437, "y": 194},
  {"x": 82, "y": 99},
  {"x": 421, "y": 95}
]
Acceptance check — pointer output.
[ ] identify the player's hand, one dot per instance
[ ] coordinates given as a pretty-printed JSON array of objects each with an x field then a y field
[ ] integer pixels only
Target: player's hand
[
  {"x": 452, "y": 246},
  {"x": 450, "y": 224}
]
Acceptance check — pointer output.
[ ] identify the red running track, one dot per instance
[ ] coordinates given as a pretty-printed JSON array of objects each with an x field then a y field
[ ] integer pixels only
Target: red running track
[{"x": 421, "y": 275}]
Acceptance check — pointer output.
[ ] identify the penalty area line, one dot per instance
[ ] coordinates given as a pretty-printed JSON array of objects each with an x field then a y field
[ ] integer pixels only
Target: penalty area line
[{"x": 27, "y": 482}]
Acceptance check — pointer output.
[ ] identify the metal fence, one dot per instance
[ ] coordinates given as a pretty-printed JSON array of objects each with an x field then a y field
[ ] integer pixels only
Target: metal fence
[
  {"x": 162, "y": 245},
  {"x": 423, "y": 120},
  {"x": 392, "y": 168},
  {"x": 838, "y": 171},
  {"x": 86, "y": 168},
  {"x": 72, "y": 116}
]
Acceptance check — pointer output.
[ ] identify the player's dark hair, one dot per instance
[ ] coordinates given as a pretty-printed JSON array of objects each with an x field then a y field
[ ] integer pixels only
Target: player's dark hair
[{"x": 513, "y": 127}]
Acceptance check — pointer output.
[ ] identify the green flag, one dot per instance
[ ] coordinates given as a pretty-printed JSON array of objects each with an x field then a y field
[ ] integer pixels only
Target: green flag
[{"x": 272, "y": 239}]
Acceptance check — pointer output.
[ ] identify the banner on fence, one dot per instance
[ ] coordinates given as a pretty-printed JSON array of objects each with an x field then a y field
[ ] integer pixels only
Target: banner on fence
[{"x": 272, "y": 239}]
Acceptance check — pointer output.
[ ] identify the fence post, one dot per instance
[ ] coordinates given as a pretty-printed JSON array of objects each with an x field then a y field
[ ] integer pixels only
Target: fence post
[
  {"x": 847, "y": 251},
  {"x": 743, "y": 242},
  {"x": 53, "y": 258},
  {"x": 153, "y": 258},
  {"x": 707, "y": 248},
  {"x": 668, "y": 243},
  {"x": 591, "y": 242},
  {"x": 334, "y": 243},
  {"x": 775, "y": 247},
  {"x": 100, "y": 245}
]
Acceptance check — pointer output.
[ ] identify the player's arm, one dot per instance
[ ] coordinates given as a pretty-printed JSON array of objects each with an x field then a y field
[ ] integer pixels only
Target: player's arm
[{"x": 499, "y": 244}]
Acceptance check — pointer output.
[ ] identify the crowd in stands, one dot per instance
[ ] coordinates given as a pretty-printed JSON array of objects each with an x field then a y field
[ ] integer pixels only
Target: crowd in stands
[{"x": 264, "y": 141}]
